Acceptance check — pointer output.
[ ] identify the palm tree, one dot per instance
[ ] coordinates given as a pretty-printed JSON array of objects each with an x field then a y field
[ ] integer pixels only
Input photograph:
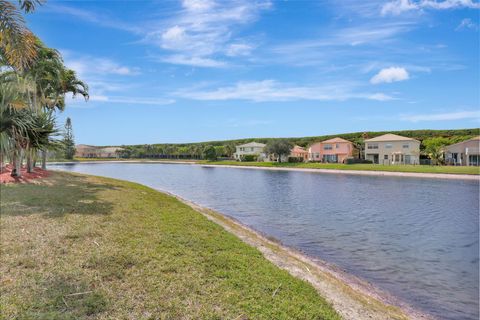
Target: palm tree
[
  {"x": 34, "y": 94},
  {"x": 16, "y": 120},
  {"x": 53, "y": 81},
  {"x": 18, "y": 45}
]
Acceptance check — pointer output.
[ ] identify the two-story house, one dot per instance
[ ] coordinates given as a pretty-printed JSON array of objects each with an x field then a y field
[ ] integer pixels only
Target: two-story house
[
  {"x": 251, "y": 148},
  {"x": 465, "y": 153},
  {"x": 392, "y": 149},
  {"x": 334, "y": 150}
]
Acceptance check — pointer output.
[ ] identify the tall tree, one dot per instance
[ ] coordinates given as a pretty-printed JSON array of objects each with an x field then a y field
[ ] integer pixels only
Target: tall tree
[
  {"x": 68, "y": 140},
  {"x": 18, "y": 45},
  {"x": 209, "y": 153},
  {"x": 279, "y": 148},
  {"x": 434, "y": 148}
]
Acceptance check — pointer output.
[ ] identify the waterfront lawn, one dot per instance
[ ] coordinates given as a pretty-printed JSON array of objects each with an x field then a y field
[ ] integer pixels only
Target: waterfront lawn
[
  {"x": 77, "y": 247},
  {"x": 367, "y": 167}
]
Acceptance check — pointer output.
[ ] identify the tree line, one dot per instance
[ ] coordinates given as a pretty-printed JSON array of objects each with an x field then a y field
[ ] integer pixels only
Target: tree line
[
  {"x": 34, "y": 83},
  {"x": 432, "y": 143}
]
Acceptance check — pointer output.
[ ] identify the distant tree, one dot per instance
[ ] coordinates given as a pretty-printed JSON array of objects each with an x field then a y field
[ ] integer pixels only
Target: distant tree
[
  {"x": 220, "y": 151},
  {"x": 230, "y": 150},
  {"x": 209, "y": 153},
  {"x": 279, "y": 148},
  {"x": 434, "y": 148},
  {"x": 68, "y": 140}
]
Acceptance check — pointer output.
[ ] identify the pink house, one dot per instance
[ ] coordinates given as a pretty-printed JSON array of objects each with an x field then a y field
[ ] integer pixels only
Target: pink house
[
  {"x": 299, "y": 152},
  {"x": 333, "y": 150}
]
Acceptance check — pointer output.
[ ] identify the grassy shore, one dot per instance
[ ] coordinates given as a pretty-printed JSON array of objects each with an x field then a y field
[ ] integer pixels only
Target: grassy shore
[
  {"x": 364, "y": 167},
  {"x": 76, "y": 247}
]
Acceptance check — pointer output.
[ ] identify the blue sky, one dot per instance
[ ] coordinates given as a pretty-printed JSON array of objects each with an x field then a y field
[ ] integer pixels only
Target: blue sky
[{"x": 186, "y": 71}]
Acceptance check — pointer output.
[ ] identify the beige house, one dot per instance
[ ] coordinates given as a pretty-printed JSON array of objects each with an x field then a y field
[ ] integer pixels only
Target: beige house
[
  {"x": 465, "y": 153},
  {"x": 86, "y": 151},
  {"x": 251, "y": 148},
  {"x": 392, "y": 149}
]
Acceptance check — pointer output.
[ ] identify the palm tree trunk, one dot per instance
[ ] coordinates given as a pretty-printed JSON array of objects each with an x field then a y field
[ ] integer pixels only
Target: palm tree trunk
[
  {"x": 29, "y": 160},
  {"x": 17, "y": 170},
  {"x": 44, "y": 159}
]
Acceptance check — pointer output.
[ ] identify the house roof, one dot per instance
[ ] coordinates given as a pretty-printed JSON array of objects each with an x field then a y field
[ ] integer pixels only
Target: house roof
[
  {"x": 390, "y": 137},
  {"x": 477, "y": 138},
  {"x": 252, "y": 144},
  {"x": 336, "y": 140},
  {"x": 299, "y": 149}
]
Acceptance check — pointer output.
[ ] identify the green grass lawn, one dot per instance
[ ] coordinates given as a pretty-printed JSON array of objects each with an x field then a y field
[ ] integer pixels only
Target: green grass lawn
[
  {"x": 368, "y": 167},
  {"x": 82, "y": 247}
]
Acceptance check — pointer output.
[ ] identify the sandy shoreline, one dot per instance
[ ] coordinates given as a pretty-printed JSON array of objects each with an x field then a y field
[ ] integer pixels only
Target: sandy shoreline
[
  {"x": 450, "y": 176},
  {"x": 352, "y": 297}
]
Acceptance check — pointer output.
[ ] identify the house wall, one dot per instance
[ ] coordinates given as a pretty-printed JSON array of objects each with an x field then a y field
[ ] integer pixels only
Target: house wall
[
  {"x": 242, "y": 151},
  {"x": 303, "y": 155},
  {"x": 342, "y": 150},
  {"x": 458, "y": 152},
  {"x": 386, "y": 150},
  {"x": 90, "y": 152}
]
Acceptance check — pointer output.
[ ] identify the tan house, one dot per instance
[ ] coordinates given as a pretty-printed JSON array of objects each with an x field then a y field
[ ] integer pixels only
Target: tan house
[
  {"x": 251, "y": 148},
  {"x": 392, "y": 149},
  {"x": 86, "y": 151},
  {"x": 465, "y": 153}
]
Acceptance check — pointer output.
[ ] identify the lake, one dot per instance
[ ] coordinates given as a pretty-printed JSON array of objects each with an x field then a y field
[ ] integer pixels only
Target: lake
[{"x": 415, "y": 238}]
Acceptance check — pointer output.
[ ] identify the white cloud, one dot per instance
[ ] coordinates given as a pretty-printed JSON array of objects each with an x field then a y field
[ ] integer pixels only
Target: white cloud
[
  {"x": 193, "y": 61},
  {"x": 86, "y": 65},
  {"x": 397, "y": 7},
  {"x": 389, "y": 75},
  {"x": 203, "y": 30},
  {"x": 121, "y": 100},
  {"x": 238, "y": 49},
  {"x": 380, "y": 97},
  {"x": 90, "y": 16},
  {"x": 467, "y": 24},
  {"x": 271, "y": 90},
  {"x": 341, "y": 48},
  {"x": 460, "y": 115}
]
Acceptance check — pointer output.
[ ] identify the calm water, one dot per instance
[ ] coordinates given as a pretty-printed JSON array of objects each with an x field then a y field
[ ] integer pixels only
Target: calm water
[{"x": 415, "y": 238}]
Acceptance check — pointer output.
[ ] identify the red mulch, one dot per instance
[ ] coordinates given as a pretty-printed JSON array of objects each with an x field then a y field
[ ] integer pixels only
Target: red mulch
[{"x": 25, "y": 178}]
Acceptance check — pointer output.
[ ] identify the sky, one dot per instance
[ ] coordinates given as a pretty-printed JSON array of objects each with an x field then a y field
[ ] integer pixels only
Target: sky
[{"x": 200, "y": 70}]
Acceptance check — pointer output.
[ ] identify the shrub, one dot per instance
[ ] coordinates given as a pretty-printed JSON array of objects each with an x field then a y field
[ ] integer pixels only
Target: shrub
[
  {"x": 295, "y": 159},
  {"x": 355, "y": 160},
  {"x": 249, "y": 158}
]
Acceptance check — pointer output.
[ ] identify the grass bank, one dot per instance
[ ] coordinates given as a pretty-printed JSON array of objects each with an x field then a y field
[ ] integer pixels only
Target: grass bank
[
  {"x": 76, "y": 247},
  {"x": 356, "y": 167}
]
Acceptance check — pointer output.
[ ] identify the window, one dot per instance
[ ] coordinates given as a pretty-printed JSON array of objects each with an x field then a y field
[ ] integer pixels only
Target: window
[
  {"x": 388, "y": 146},
  {"x": 327, "y": 147},
  {"x": 337, "y": 146},
  {"x": 406, "y": 146},
  {"x": 241, "y": 149},
  {"x": 372, "y": 146},
  {"x": 385, "y": 157},
  {"x": 251, "y": 149},
  {"x": 317, "y": 155}
]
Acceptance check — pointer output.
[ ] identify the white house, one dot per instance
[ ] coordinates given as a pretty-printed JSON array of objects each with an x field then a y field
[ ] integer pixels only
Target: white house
[
  {"x": 251, "y": 148},
  {"x": 392, "y": 149}
]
